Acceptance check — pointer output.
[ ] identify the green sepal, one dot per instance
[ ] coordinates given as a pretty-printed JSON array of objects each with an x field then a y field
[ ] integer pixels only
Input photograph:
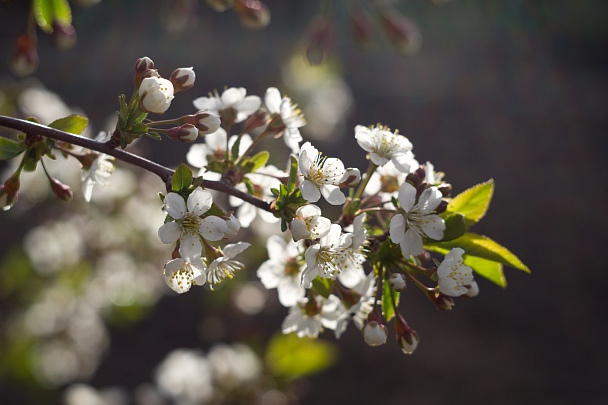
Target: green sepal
[
  {"x": 454, "y": 227},
  {"x": 161, "y": 196},
  {"x": 197, "y": 182},
  {"x": 388, "y": 296},
  {"x": 74, "y": 124},
  {"x": 9, "y": 148},
  {"x": 473, "y": 203},
  {"x": 48, "y": 11},
  {"x": 31, "y": 159},
  {"x": 289, "y": 357},
  {"x": 138, "y": 129},
  {"x": 293, "y": 174},
  {"x": 216, "y": 211},
  {"x": 182, "y": 178},
  {"x": 323, "y": 286},
  {"x": 259, "y": 160},
  {"x": 275, "y": 192},
  {"x": 123, "y": 115},
  {"x": 154, "y": 135}
]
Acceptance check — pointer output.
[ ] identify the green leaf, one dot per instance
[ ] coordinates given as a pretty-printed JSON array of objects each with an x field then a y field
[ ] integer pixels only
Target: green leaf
[
  {"x": 74, "y": 124},
  {"x": 322, "y": 286},
  {"x": 388, "y": 309},
  {"x": 154, "y": 135},
  {"x": 454, "y": 227},
  {"x": 484, "y": 247},
  {"x": 489, "y": 269},
  {"x": 289, "y": 357},
  {"x": 182, "y": 178},
  {"x": 9, "y": 148},
  {"x": 293, "y": 174},
  {"x": 48, "y": 11},
  {"x": 473, "y": 203},
  {"x": 259, "y": 160}
]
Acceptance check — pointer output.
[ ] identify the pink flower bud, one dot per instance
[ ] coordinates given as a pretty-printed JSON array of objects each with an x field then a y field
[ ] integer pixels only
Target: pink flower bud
[
  {"x": 352, "y": 177},
  {"x": 63, "y": 192},
  {"x": 397, "y": 281},
  {"x": 407, "y": 338},
  {"x": 182, "y": 79},
  {"x": 183, "y": 133},
  {"x": 403, "y": 33},
  {"x": 143, "y": 64},
  {"x": 8, "y": 192},
  {"x": 63, "y": 36},
  {"x": 24, "y": 60},
  {"x": 443, "y": 302},
  {"x": 253, "y": 14},
  {"x": 204, "y": 121}
]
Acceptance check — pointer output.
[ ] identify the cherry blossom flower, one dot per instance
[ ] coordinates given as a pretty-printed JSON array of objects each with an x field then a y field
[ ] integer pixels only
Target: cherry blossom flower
[
  {"x": 308, "y": 223},
  {"x": 189, "y": 225},
  {"x": 282, "y": 270},
  {"x": 326, "y": 258},
  {"x": 308, "y": 318},
  {"x": 224, "y": 267},
  {"x": 416, "y": 220},
  {"x": 214, "y": 147},
  {"x": 384, "y": 146},
  {"x": 233, "y": 103},
  {"x": 290, "y": 115},
  {"x": 155, "y": 94},
  {"x": 359, "y": 311},
  {"x": 321, "y": 176},
  {"x": 183, "y": 272},
  {"x": 455, "y": 278},
  {"x": 99, "y": 173},
  {"x": 353, "y": 244}
]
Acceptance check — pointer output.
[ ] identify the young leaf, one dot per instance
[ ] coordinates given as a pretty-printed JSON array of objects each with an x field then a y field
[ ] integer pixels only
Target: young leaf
[
  {"x": 484, "y": 247},
  {"x": 289, "y": 357},
  {"x": 388, "y": 309},
  {"x": 182, "y": 178},
  {"x": 9, "y": 148},
  {"x": 473, "y": 203},
  {"x": 259, "y": 160},
  {"x": 74, "y": 124},
  {"x": 293, "y": 174},
  {"x": 322, "y": 286},
  {"x": 48, "y": 11},
  {"x": 454, "y": 227}
]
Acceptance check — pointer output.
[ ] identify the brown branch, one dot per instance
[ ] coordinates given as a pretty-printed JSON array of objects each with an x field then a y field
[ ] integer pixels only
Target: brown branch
[{"x": 163, "y": 172}]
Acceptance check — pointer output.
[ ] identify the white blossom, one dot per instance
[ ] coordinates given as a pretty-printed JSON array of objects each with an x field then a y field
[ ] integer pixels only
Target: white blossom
[
  {"x": 234, "y": 100},
  {"x": 224, "y": 267},
  {"x": 282, "y": 270},
  {"x": 308, "y": 318},
  {"x": 326, "y": 258},
  {"x": 308, "y": 223},
  {"x": 353, "y": 244},
  {"x": 416, "y": 219},
  {"x": 454, "y": 276},
  {"x": 321, "y": 176},
  {"x": 156, "y": 94},
  {"x": 384, "y": 146},
  {"x": 183, "y": 272},
  {"x": 290, "y": 114},
  {"x": 99, "y": 173},
  {"x": 358, "y": 312}
]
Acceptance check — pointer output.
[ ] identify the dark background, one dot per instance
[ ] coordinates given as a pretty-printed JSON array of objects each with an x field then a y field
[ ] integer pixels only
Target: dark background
[{"x": 513, "y": 90}]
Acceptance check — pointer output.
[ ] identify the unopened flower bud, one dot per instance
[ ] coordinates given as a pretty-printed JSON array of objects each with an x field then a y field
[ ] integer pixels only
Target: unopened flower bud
[
  {"x": 62, "y": 191},
  {"x": 352, "y": 177},
  {"x": 204, "y": 121},
  {"x": 220, "y": 5},
  {"x": 319, "y": 42},
  {"x": 473, "y": 290},
  {"x": 182, "y": 79},
  {"x": 403, "y": 33},
  {"x": 443, "y": 302},
  {"x": 443, "y": 205},
  {"x": 363, "y": 27},
  {"x": 253, "y": 14},
  {"x": 8, "y": 192},
  {"x": 255, "y": 120},
  {"x": 413, "y": 178},
  {"x": 407, "y": 338},
  {"x": 183, "y": 133},
  {"x": 155, "y": 94},
  {"x": 375, "y": 333},
  {"x": 63, "y": 36},
  {"x": 445, "y": 189},
  {"x": 397, "y": 281},
  {"x": 24, "y": 60},
  {"x": 143, "y": 64}
]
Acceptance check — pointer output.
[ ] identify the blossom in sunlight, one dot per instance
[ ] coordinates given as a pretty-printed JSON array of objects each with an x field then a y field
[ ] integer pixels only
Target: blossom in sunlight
[
  {"x": 99, "y": 173},
  {"x": 224, "y": 267},
  {"x": 234, "y": 104},
  {"x": 384, "y": 146},
  {"x": 282, "y": 270},
  {"x": 455, "y": 278},
  {"x": 416, "y": 220},
  {"x": 201, "y": 154},
  {"x": 183, "y": 272},
  {"x": 288, "y": 114},
  {"x": 353, "y": 244},
  {"x": 189, "y": 225},
  {"x": 321, "y": 176},
  {"x": 431, "y": 176},
  {"x": 308, "y": 317},
  {"x": 326, "y": 258},
  {"x": 358, "y": 311},
  {"x": 155, "y": 94},
  {"x": 308, "y": 223}
]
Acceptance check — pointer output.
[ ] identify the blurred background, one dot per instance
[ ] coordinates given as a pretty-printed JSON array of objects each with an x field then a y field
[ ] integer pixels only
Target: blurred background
[{"x": 511, "y": 90}]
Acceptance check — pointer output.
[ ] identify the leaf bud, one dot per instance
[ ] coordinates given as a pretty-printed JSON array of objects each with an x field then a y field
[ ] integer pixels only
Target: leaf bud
[
  {"x": 24, "y": 60},
  {"x": 204, "y": 121},
  {"x": 63, "y": 36},
  {"x": 62, "y": 191},
  {"x": 183, "y": 133},
  {"x": 401, "y": 32},
  {"x": 397, "y": 281},
  {"x": 182, "y": 79},
  {"x": 253, "y": 14},
  {"x": 407, "y": 338}
]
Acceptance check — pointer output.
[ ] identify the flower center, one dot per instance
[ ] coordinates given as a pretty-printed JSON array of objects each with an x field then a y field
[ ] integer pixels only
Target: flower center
[{"x": 191, "y": 223}]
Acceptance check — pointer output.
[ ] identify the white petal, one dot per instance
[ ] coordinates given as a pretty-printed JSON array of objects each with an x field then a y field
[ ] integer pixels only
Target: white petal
[
  {"x": 430, "y": 199},
  {"x": 233, "y": 96},
  {"x": 276, "y": 248},
  {"x": 169, "y": 232},
  {"x": 190, "y": 248},
  {"x": 407, "y": 196},
  {"x": 272, "y": 99},
  {"x": 290, "y": 291},
  {"x": 333, "y": 195},
  {"x": 213, "y": 228},
  {"x": 234, "y": 249},
  {"x": 309, "y": 191},
  {"x": 197, "y": 155},
  {"x": 351, "y": 276},
  {"x": 377, "y": 159},
  {"x": 433, "y": 226},
  {"x": 397, "y": 228},
  {"x": 199, "y": 201},
  {"x": 299, "y": 230},
  {"x": 411, "y": 244},
  {"x": 175, "y": 205},
  {"x": 270, "y": 273},
  {"x": 248, "y": 106}
]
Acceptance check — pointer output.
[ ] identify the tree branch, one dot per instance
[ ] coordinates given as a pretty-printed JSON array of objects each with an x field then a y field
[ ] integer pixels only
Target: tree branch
[{"x": 163, "y": 172}]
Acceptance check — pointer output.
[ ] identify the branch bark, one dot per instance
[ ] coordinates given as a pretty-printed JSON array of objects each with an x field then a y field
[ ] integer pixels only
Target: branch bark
[{"x": 161, "y": 171}]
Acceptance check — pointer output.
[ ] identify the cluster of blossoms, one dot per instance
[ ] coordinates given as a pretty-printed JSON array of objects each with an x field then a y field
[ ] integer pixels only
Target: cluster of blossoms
[{"x": 327, "y": 272}]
